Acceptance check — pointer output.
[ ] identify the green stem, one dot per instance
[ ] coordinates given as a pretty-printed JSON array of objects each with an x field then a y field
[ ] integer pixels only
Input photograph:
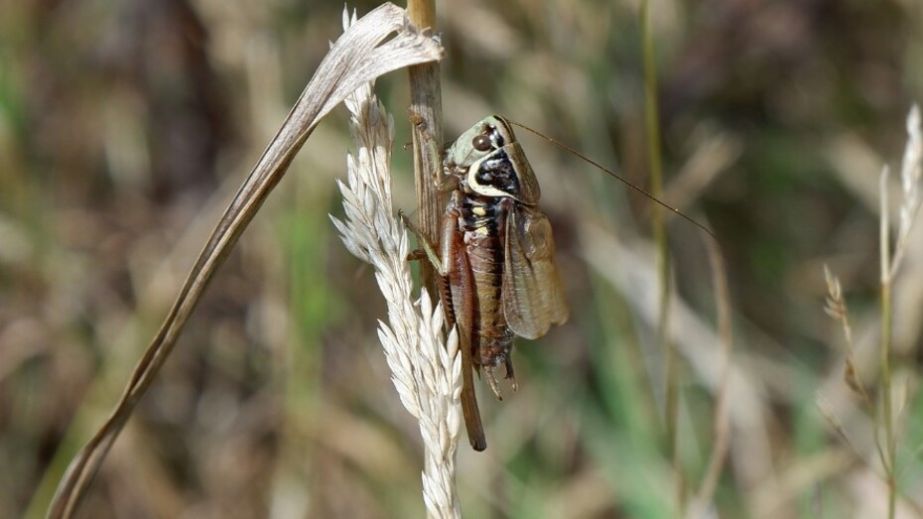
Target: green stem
[
  {"x": 884, "y": 236},
  {"x": 886, "y": 404},
  {"x": 671, "y": 368}
]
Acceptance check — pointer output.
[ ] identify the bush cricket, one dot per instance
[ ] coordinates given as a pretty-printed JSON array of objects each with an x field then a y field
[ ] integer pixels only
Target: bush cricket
[{"x": 495, "y": 257}]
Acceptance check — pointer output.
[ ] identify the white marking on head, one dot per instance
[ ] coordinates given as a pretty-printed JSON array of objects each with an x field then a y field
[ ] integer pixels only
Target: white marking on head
[{"x": 483, "y": 189}]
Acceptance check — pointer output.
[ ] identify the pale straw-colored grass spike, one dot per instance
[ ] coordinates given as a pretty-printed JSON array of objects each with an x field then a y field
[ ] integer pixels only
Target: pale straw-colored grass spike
[
  {"x": 911, "y": 167},
  {"x": 425, "y": 369}
]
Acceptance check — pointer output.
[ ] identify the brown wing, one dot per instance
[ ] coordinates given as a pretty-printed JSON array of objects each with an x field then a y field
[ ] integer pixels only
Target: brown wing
[{"x": 533, "y": 299}]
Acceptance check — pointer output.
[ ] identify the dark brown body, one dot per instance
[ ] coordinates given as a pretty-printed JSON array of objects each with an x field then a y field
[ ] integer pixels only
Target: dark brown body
[{"x": 483, "y": 238}]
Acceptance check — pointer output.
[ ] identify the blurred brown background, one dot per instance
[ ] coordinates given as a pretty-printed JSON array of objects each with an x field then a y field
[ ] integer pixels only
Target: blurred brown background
[{"x": 125, "y": 128}]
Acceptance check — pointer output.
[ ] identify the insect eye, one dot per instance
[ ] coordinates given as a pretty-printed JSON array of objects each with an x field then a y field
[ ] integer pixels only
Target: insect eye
[{"x": 481, "y": 143}]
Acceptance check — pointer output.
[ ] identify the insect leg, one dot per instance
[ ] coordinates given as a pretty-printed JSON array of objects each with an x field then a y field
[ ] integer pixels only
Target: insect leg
[
  {"x": 461, "y": 302},
  {"x": 456, "y": 291},
  {"x": 429, "y": 251},
  {"x": 510, "y": 375},
  {"x": 492, "y": 381}
]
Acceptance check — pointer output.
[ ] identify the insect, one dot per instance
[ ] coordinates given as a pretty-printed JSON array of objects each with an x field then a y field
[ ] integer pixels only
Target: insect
[{"x": 495, "y": 257}]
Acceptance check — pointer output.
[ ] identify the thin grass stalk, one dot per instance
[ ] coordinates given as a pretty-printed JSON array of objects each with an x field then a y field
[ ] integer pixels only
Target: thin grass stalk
[
  {"x": 426, "y": 121},
  {"x": 911, "y": 172},
  {"x": 721, "y": 427},
  {"x": 671, "y": 361},
  {"x": 890, "y": 262},
  {"x": 886, "y": 415}
]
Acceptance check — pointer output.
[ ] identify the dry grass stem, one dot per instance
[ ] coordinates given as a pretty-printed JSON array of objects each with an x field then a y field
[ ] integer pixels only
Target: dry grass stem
[
  {"x": 425, "y": 371},
  {"x": 721, "y": 428},
  {"x": 835, "y": 307},
  {"x": 890, "y": 262},
  {"x": 426, "y": 121},
  {"x": 377, "y": 43}
]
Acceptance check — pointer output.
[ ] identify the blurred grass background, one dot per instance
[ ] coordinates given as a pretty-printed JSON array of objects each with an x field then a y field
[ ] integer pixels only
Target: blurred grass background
[{"x": 126, "y": 127}]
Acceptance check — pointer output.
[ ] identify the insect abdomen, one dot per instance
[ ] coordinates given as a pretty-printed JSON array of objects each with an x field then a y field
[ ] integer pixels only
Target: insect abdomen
[{"x": 483, "y": 220}]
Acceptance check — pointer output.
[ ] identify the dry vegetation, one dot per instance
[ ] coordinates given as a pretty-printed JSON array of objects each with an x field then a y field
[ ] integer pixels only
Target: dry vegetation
[{"x": 125, "y": 129}]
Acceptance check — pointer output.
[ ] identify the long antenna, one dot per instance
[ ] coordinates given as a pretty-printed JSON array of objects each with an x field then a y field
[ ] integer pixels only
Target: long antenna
[{"x": 616, "y": 176}]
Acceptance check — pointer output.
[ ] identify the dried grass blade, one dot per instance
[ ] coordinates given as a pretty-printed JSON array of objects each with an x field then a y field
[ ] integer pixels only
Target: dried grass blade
[
  {"x": 722, "y": 425},
  {"x": 360, "y": 55}
]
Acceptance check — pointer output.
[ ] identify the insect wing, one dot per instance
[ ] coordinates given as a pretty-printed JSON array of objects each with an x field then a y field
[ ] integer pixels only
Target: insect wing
[
  {"x": 533, "y": 298},
  {"x": 529, "y": 190}
]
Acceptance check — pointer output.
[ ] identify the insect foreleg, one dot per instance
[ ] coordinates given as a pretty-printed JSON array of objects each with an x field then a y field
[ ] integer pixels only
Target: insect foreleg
[{"x": 441, "y": 265}]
